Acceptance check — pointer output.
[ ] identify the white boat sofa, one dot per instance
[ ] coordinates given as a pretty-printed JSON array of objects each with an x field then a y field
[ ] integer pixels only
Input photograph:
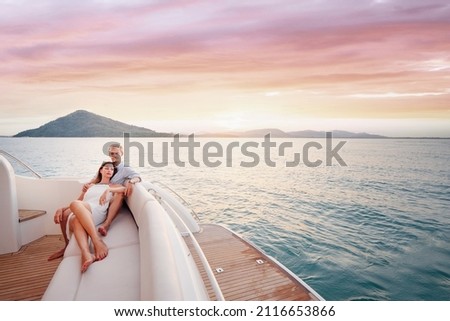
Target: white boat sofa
[
  {"x": 114, "y": 278},
  {"x": 147, "y": 260}
]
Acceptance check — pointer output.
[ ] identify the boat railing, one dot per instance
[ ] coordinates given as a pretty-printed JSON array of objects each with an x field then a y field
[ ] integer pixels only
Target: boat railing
[
  {"x": 183, "y": 201},
  {"x": 20, "y": 162},
  {"x": 205, "y": 263},
  {"x": 212, "y": 279}
]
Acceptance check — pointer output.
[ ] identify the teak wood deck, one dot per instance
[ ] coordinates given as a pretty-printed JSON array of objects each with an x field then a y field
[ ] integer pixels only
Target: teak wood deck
[
  {"x": 25, "y": 274},
  {"x": 242, "y": 271}
]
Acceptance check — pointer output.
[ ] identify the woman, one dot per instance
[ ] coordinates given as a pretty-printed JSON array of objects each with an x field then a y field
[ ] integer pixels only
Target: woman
[{"x": 87, "y": 211}]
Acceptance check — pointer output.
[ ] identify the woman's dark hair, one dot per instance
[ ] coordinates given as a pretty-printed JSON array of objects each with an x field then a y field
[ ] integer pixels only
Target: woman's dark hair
[{"x": 99, "y": 177}]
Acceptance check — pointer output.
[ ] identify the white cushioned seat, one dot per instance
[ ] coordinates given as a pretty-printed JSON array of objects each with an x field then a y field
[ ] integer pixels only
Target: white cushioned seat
[
  {"x": 123, "y": 230},
  {"x": 65, "y": 281},
  {"x": 114, "y": 278},
  {"x": 137, "y": 201},
  {"x": 148, "y": 262}
]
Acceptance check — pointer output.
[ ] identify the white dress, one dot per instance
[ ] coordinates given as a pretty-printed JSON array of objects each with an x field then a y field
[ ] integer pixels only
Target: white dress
[{"x": 92, "y": 197}]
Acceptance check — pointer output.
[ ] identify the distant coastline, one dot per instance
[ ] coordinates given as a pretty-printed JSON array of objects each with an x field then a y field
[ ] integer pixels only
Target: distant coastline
[
  {"x": 224, "y": 136},
  {"x": 82, "y": 123}
]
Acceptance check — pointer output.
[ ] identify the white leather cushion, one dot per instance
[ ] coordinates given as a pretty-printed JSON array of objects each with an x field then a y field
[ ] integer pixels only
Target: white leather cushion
[
  {"x": 115, "y": 278},
  {"x": 65, "y": 281},
  {"x": 123, "y": 231},
  {"x": 72, "y": 249},
  {"x": 137, "y": 200}
]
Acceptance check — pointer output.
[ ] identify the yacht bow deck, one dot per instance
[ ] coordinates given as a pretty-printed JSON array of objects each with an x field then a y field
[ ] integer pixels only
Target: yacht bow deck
[{"x": 242, "y": 271}]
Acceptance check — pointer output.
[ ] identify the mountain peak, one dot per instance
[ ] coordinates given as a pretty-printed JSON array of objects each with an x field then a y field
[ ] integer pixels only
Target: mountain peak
[
  {"x": 82, "y": 123},
  {"x": 81, "y": 112}
]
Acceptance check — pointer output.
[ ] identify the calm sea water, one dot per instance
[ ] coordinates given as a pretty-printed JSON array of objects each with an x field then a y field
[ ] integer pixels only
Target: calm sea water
[{"x": 376, "y": 229}]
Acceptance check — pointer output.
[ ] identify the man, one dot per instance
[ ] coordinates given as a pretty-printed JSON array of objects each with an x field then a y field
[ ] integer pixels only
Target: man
[{"x": 125, "y": 176}]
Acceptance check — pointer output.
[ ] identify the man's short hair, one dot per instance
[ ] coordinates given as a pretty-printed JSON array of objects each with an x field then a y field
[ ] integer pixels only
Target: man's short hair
[{"x": 116, "y": 145}]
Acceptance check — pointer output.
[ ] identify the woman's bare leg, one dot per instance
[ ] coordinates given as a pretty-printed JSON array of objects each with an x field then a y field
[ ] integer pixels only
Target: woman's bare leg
[
  {"x": 113, "y": 210},
  {"x": 87, "y": 258},
  {"x": 83, "y": 214}
]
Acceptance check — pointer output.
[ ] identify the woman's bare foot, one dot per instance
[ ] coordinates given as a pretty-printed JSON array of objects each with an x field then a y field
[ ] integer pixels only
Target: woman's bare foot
[
  {"x": 86, "y": 261},
  {"x": 101, "y": 250},
  {"x": 57, "y": 254}
]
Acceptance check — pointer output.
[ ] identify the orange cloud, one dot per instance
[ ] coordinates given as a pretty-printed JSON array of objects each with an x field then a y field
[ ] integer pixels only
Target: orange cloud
[{"x": 353, "y": 58}]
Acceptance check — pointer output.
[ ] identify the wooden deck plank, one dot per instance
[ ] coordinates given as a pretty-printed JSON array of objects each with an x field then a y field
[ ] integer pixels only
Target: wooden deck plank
[
  {"x": 242, "y": 278},
  {"x": 25, "y": 274}
]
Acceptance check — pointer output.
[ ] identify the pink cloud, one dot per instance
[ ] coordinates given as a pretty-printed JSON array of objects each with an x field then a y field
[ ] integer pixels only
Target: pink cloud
[{"x": 350, "y": 46}]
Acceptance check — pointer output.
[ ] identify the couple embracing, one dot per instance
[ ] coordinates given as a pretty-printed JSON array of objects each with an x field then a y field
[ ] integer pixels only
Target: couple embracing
[{"x": 98, "y": 204}]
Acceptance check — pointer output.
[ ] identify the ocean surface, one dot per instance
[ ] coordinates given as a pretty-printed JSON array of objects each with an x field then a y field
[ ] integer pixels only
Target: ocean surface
[{"x": 375, "y": 229}]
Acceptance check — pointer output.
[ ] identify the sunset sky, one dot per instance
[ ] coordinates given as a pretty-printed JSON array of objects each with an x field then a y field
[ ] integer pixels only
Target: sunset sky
[{"x": 378, "y": 66}]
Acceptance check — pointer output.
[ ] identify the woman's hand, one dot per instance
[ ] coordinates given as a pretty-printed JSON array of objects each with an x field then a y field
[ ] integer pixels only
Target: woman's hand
[{"x": 86, "y": 187}]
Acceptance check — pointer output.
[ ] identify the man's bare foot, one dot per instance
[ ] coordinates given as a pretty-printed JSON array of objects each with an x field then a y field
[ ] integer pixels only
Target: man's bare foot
[
  {"x": 86, "y": 261},
  {"x": 101, "y": 250},
  {"x": 103, "y": 230},
  {"x": 57, "y": 254}
]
